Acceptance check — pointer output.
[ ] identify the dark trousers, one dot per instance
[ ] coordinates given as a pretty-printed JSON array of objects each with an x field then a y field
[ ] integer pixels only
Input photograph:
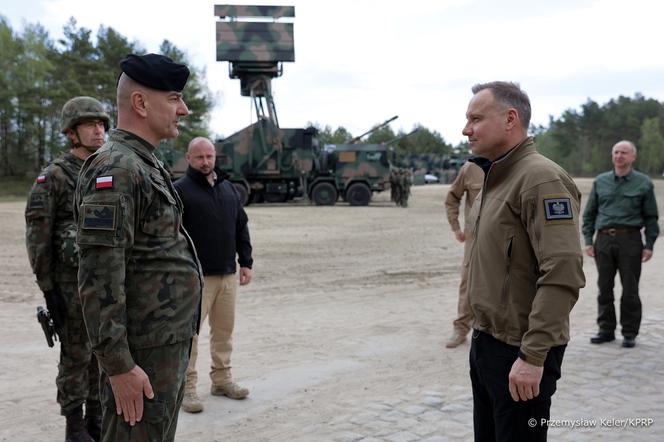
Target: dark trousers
[
  {"x": 165, "y": 367},
  {"x": 621, "y": 253},
  {"x": 496, "y": 416}
]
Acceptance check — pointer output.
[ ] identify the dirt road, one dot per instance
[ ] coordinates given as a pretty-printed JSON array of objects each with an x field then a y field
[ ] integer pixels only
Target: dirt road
[{"x": 339, "y": 337}]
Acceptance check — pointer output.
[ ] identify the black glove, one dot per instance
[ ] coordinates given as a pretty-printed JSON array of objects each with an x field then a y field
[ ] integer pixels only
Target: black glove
[{"x": 56, "y": 307}]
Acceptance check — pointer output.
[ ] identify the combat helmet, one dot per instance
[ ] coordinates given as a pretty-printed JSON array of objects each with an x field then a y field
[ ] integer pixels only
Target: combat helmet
[{"x": 83, "y": 108}]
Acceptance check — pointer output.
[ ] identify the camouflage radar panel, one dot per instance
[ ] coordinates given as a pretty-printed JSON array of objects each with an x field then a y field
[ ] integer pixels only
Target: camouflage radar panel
[{"x": 254, "y": 46}]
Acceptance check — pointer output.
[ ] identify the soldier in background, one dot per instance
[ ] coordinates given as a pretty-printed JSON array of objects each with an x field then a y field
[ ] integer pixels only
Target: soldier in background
[
  {"x": 405, "y": 181},
  {"x": 395, "y": 186},
  {"x": 469, "y": 182},
  {"x": 51, "y": 244},
  {"x": 139, "y": 278}
]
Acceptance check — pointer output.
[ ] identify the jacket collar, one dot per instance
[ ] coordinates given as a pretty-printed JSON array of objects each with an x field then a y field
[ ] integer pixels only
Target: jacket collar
[
  {"x": 201, "y": 179},
  {"x": 627, "y": 177},
  {"x": 525, "y": 147},
  {"x": 142, "y": 147}
]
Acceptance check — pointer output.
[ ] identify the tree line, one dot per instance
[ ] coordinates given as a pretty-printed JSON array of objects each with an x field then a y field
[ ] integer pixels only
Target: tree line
[
  {"x": 581, "y": 140},
  {"x": 38, "y": 75}
]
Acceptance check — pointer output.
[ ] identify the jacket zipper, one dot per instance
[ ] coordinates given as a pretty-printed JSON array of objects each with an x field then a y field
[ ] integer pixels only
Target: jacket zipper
[{"x": 506, "y": 282}]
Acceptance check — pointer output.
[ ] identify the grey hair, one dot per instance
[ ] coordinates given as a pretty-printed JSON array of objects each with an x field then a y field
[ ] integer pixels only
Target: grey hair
[{"x": 509, "y": 94}]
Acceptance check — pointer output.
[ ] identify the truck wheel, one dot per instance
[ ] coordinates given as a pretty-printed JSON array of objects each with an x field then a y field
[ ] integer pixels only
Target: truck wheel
[
  {"x": 276, "y": 197},
  {"x": 255, "y": 198},
  {"x": 242, "y": 193},
  {"x": 358, "y": 194},
  {"x": 324, "y": 194}
]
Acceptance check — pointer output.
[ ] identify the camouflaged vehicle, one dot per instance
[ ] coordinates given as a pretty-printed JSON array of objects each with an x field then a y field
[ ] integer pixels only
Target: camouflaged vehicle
[{"x": 270, "y": 163}]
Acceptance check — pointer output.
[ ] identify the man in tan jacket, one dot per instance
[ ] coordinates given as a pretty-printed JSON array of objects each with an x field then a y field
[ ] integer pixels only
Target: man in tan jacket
[
  {"x": 468, "y": 181},
  {"x": 525, "y": 268}
]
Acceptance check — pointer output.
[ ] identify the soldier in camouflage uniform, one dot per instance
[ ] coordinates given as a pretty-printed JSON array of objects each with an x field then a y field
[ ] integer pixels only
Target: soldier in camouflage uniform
[
  {"x": 50, "y": 240},
  {"x": 396, "y": 191},
  {"x": 139, "y": 277},
  {"x": 405, "y": 181}
]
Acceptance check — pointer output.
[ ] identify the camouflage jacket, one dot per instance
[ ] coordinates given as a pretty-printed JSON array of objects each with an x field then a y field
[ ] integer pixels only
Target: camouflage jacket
[
  {"x": 50, "y": 231},
  {"x": 139, "y": 278}
]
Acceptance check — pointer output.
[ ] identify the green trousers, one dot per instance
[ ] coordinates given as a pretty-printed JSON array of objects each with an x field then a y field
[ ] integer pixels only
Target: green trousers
[{"x": 165, "y": 367}]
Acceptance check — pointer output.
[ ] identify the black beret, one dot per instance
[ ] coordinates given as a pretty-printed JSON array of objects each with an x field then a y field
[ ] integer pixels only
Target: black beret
[{"x": 156, "y": 71}]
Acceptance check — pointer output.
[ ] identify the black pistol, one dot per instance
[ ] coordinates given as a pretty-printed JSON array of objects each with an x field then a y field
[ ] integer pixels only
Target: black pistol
[{"x": 46, "y": 323}]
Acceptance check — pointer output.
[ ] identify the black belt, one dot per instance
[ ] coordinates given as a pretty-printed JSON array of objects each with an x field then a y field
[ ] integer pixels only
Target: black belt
[{"x": 619, "y": 231}]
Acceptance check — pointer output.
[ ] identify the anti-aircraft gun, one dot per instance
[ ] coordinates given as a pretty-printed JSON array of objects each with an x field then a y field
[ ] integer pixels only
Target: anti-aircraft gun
[
  {"x": 355, "y": 170},
  {"x": 270, "y": 163}
]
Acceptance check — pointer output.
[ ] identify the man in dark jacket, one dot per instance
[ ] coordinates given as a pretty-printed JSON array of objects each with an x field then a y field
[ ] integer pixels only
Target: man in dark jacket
[{"x": 217, "y": 223}]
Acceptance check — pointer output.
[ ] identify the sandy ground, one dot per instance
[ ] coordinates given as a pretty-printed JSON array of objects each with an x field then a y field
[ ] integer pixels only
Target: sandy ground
[{"x": 348, "y": 306}]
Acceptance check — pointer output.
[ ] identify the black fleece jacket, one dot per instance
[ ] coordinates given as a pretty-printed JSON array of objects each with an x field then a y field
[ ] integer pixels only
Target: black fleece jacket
[{"x": 216, "y": 221}]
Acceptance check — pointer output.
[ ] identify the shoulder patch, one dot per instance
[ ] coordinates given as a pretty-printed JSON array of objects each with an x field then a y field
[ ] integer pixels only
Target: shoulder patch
[
  {"x": 41, "y": 179},
  {"x": 98, "y": 216},
  {"x": 37, "y": 201},
  {"x": 104, "y": 182},
  {"x": 557, "y": 208}
]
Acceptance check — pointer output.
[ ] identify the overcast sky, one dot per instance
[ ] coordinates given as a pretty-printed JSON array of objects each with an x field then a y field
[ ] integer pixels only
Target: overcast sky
[{"x": 358, "y": 62}]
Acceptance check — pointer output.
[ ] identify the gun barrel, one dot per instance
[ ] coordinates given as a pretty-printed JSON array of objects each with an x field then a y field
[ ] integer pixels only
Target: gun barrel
[
  {"x": 394, "y": 140},
  {"x": 373, "y": 129}
]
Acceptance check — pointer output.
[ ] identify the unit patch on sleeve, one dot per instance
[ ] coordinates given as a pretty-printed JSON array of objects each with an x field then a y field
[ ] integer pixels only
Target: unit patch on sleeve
[
  {"x": 37, "y": 201},
  {"x": 98, "y": 217},
  {"x": 557, "y": 208},
  {"x": 41, "y": 179}
]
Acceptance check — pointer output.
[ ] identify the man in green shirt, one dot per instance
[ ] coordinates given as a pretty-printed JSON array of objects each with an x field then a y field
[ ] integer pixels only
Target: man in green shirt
[{"x": 620, "y": 204}]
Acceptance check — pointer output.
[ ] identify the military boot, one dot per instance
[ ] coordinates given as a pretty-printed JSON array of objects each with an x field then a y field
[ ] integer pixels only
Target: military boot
[
  {"x": 93, "y": 425},
  {"x": 191, "y": 403},
  {"x": 76, "y": 430},
  {"x": 455, "y": 340},
  {"x": 229, "y": 389}
]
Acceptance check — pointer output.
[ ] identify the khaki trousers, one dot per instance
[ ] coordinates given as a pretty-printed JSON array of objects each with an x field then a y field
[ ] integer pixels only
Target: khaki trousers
[
  {"x": 464, "y": 314},
  {"x": 218, "y": 305}
]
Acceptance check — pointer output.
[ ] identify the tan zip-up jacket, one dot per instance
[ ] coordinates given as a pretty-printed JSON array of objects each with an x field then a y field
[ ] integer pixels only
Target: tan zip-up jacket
[
  {"x": 469, "y": 181},
  {"x": 526, "y": 265}
]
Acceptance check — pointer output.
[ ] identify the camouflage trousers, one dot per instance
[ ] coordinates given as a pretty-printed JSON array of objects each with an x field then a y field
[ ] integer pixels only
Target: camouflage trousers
[
  {"x": 78, "y": 371},
  {"x": 165, "y": 367}
]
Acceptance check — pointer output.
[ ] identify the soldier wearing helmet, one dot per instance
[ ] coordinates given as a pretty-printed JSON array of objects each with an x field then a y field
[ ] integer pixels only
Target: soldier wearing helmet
[
  {"x": 53, "y": 253},
  {"x": 82, "y": 120}
]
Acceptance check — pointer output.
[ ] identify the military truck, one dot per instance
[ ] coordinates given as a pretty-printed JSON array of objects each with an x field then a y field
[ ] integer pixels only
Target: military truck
[
  {"x": 270, "y": 163},
  {"x": 299, "y": 167}
]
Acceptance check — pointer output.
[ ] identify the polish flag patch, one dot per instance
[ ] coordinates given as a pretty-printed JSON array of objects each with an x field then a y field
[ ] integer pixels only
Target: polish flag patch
[
  {"x": 104, "y": 182},
  {"x": 41, "y": 179}
]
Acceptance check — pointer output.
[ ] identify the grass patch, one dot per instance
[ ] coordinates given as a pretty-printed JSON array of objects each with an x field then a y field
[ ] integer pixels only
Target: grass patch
[{"x": 15, "y": 189}]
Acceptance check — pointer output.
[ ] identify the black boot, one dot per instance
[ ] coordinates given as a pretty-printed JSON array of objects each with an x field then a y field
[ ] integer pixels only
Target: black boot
[
  {"x": 76, "y": 431},
  {"x": 93, "y": 424}
]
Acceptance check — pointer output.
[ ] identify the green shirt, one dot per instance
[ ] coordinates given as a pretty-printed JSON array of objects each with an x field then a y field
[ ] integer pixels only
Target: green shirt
[{"x": 627, "y": 201}]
